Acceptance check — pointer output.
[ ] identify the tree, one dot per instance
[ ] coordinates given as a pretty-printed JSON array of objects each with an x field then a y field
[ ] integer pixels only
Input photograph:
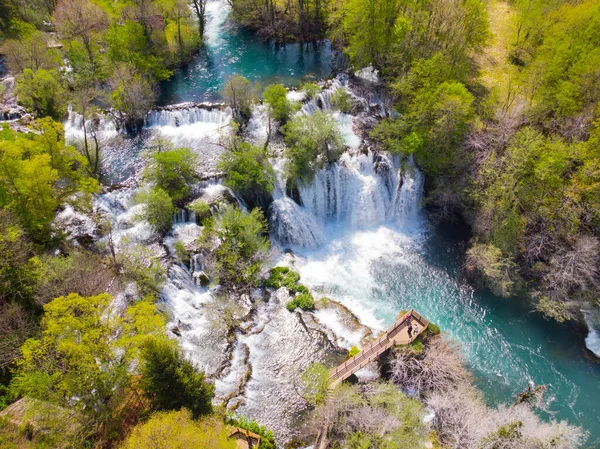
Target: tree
[
  {"x": 377, "y": 415},
  {"x": 131, "y": 96},
  {"x": 82, "y": 101},
  {"x": 43, "y": 92},
  {"x": 173, "y": 171},
  {"x": 239, "y": 95},
  {"x": 495, "y": 271},
  {"x": 248, "y": 172},
  {"x": 31, "y": 166},
  {"x": 81, "y": 272},
  {"x": 280, "y": 108},
  {"x": 200, "y": 10},
  {"x": 241, "y": 246},
  {"x": 181, "y": 33},
  {"x": 30, "y": 52},
  {"x": 172, "y": 382},
  {"x": 315, "y": 382},
  {"x": 177, "y": 429},
  {"x": 80, "y": 20},
  {"x": 313, "y": 141},
  {"x": 85, "y": 353},
  {"x": 18, "y": 279},
  {"x": 16, "y": 326},
  {"x": 158, "y": 209}
]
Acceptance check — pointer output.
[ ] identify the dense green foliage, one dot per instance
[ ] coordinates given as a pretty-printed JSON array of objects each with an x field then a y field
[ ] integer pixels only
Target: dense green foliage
[
  {"x": 303, "y": 300},
  {"x": 283, "y": 21},
  {"x": 313, "y": 142},
  {"x": 177, "y": 429},
  {"x": 240, "y": 95},
  {"x": 173, "y": 171},
  {"x": 38, "y": 172},
  {"x": 242, "y": 246},
  {"x": 172, "y": 382},
  {"x": 404, "y": 428},
  {"x": 280, "y": 108},
  {"x": 84, "y": 354},
  {"x": 158, "y": 208},
  {"x": 119, "y": 49},
  {"x": 315, "y": 383},
  {"x": 301, "y": 296},
  {"x": 248, "y": 172},
  {"x": 283, "y": 277}
]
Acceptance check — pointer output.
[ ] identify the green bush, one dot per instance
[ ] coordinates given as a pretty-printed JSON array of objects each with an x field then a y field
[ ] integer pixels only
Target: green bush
[
  {"x": 311, "y": 90},
  {"x": 159, "y": 208},
  {"x": 342, "y": 100},
  {"x": 201, "y": 209},
  {"x": 303, "y": 300},
  {"x": 433, "y": 329},
  {"x": 247, "y": 171},
  {"x": 242, "y": 246},
  {"x": 283, "y": 277},
  {"x": 173, "y": 171},
  {"x": 354, "y": 350},
  {"x": 313, "y": 142},
  {"x": 280, "y": 108}
]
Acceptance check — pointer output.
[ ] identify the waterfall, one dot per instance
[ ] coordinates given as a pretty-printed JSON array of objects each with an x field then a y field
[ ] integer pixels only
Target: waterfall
[
  {"x": 323, "y": 99},
  {"x": 186, "y": 115},
  {"x": 359, "y": 191}
]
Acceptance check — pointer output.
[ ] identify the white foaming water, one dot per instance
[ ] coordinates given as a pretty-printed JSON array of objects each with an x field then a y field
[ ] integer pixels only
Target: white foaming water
[
  {"x": 217, "y": 12},
  {"x": 359, "y": 191},
  {"x": 592, "y": 340},
  {"x": 104, "y": 127},
  {"x": 189, "y": 123}
]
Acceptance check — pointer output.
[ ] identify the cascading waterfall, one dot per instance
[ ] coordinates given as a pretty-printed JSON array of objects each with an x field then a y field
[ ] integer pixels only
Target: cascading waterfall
[
  {"x": 187, "y": 115},
  {"x": 359, "y": 191}
]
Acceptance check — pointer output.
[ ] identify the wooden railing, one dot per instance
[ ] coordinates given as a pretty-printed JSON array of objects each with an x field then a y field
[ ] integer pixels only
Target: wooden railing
[{"x": 374, "y": 349}]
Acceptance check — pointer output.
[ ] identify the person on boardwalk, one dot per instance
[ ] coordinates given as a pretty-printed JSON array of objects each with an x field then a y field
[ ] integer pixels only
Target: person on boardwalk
[
  {"x": 409, "y": 330},
  {"x": 416, "y": 329}
]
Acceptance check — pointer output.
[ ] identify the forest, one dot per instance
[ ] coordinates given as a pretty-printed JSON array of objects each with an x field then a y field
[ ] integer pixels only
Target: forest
[{"x": 496, "y": 103}]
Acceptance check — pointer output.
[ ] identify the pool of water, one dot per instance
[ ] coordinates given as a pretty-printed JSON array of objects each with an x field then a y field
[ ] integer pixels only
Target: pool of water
[{"x": 231, "y": 50}]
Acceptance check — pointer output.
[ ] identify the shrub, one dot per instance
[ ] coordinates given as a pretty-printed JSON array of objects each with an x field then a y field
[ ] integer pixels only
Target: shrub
[
  {"x": 201, "y": 209},
  {"x": 315, "y": 380},
  {"x": 282, "y": 277},
  {"x": 353, "y": 351},
  {"x": 242, "y": 246},
  {"x": 172, "y": 382},
  {"x": 303, "y": 300},
  {"x": 433, "y": 329},
  {"x": 159, "y": 208},
  {"x": 177, "y": 429},
  {"x": 280, "y": 107},
  {"x": 248, "y": 171},
  {"x": 313, "y": 141},
  {"x": 342, "y": 100},
  {"x": 173, "y": 171},
  {"x": 311, "y": 90}
]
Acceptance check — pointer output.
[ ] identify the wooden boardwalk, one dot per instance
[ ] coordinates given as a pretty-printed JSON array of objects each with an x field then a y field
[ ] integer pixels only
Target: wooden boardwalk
[{"x": 397, "y": 334}]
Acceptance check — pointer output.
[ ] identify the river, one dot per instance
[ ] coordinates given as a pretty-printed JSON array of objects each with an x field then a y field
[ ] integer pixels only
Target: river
[{"x": 360, "y": 239}]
